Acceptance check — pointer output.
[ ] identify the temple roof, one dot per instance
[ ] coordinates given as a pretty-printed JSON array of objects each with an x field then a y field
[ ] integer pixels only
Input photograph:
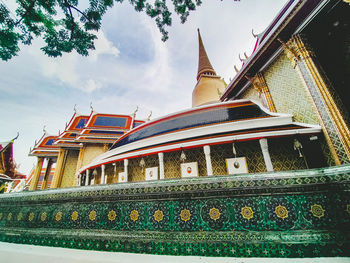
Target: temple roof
[
  {"x": 219, "y": 123},
  {"x": 204, "y": 65},
  {"x": 287, "y": 23},
  {"x": 45, "y": 147},
  {"x": 4, "y": 145}
]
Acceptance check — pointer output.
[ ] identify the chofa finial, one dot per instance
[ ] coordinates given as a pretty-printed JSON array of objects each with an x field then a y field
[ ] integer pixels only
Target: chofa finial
[
  {"x": 92, "y": 109},
  {"x": 136, "y": 110},
  {"x": 149, "y": 116},
  {"x": 255, "y": 36},
  {"x": 15, "y": 137}
]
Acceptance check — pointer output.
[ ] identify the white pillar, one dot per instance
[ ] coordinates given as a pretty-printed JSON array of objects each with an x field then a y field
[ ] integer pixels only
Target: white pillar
[
  {"x": 266, "y": 154},
  {"x": 208, "y": 159},
  {"x": 87, "y": 177},
  {"x": 126, "y": 162},
  {"x": 79, "y": 179},
  {"x": 103, "y": 167},
  {"x": 161, "y": 165}
]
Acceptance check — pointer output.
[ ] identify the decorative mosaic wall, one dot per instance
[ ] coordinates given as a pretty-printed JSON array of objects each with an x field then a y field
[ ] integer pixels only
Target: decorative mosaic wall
[
  {"x": 172, "y": 163},
  {"x": 90, "y": 153},
  {"x": 283, "y": 155},
  {"x": 288, "y": 214},
  {"x": 251, "y": 93},
  {"x": 250, "y": 150},
  {"x": 68, "y": 176},
  {"x": 288, "y": 91}
]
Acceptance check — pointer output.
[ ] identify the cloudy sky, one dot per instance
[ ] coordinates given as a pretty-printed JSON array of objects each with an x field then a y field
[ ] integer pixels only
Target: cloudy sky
[{"x": 131, "y": 66}]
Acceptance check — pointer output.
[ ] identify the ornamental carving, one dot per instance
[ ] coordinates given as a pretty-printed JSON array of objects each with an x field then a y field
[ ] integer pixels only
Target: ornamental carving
[
  {"x": 9, "y": 216},
  {"x": 112, "y": 215},
  {"x": 19, "y": 216},
  {"x": 214, "y": 213},
  {"x": 185, "y": 215},
  {"x": 317, "y": 210},
  {"x": 158, "y": 215},
  {"x": 58, "y": 216},
  {"x": 43, "y": 216},
  {"x": 75, "y": 216},
  {"x": 31, "y": 216},
  {"x": 92, "y": 215},
  {"x": 134, "y": 215},
  {"x": 247, "y": 212},
  {"x": 281, "y": 211}
]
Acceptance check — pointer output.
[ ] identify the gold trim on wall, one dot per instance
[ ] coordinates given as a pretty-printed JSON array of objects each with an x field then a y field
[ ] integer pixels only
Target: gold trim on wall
[
  {"x": 299, "y": 51},
  {"x": 36, "y": 175}
]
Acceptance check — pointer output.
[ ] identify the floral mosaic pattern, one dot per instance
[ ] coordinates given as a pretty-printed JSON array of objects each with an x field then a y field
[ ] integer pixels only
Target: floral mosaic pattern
[{"x": 299, "y": 214}]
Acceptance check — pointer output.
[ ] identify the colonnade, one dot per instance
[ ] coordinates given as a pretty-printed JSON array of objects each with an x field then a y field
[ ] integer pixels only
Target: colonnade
[{"x": 207, "y": 153}]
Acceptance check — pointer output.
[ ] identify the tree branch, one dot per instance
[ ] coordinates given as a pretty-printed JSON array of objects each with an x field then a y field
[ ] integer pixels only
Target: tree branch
[
  {"x": 30, "y": 7},
  {"x": 80, "y": 12},
  {"x": 71, "y": 18}
]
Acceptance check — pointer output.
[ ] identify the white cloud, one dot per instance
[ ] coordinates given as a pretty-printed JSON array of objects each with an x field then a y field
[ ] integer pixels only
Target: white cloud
[
  {"x": 158, "y": 74},
  {"x": 103, "y": 46},
  {"x": 91, "y": 85},
  {"x": 72, "y": 69}
]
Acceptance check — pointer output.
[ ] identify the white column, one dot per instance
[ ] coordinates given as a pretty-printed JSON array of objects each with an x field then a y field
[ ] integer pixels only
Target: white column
[
  {"x": 126, "y": 162},
  {"x": 161, "y": 165},
  {"x": 266, "y": 154},
  {"x": 79, "y": 179},
  {"x": 103, "y": 167},
  {"x": 208, "y": 159},
  {"x": 87, "y": 177}
]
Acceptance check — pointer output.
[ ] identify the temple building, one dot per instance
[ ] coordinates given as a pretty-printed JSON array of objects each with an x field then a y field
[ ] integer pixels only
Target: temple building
[
  {"x": 84, "y": 138},
  {"x": 10, "y": 178},
  {"x": 258, "y": 168},
  {"x": 7, "y": 166},
  {"x": 301, "y": 66}
]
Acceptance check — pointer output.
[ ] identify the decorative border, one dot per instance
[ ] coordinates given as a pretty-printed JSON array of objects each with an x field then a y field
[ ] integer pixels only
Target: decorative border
[{"x": 287, "y": 214}]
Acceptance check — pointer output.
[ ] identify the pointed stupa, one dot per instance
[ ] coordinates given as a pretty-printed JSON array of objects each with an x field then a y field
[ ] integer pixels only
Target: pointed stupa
[
  {"x": 204, "y": 65},
  {"x": 209, "y": 86}
]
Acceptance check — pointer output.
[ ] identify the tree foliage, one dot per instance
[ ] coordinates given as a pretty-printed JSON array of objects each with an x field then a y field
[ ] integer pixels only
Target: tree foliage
[{"x": 65, "y": 27}]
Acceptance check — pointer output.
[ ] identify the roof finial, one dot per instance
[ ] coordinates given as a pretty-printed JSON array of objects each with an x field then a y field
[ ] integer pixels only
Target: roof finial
[
  {"x": 204, "y": 65},
  {"x": 44, "y": 129},
  {"x": 136, "y": 110},
  {"x": 236, "y": 69},
  {"x": 92, "y": 109},
  {"x": 255, "y": 36},
  {"x": 239, "y": 56},
  {"x": 75, "y": 108},
  {"x": 149, "y": 116},
  {"x": 15, "y": 137},
  {"x": 246, "y": 57}
]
